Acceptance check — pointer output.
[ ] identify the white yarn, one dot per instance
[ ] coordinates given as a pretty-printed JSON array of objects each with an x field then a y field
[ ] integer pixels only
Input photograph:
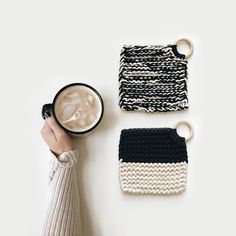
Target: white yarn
[{"x": 155, "y": 178}]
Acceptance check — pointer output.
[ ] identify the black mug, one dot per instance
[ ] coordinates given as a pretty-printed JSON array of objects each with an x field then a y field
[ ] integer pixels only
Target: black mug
[{"x": 50, "y": 108}]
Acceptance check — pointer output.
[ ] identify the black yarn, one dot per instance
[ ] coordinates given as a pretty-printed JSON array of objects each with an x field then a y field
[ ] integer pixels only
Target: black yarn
[{"x": 152, "y": 145}]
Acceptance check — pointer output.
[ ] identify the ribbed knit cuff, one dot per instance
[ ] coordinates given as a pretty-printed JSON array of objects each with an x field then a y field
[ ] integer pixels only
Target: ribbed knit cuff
[
  {"x": 65, "y": 160},
  {"x": 68, "y": 159}
]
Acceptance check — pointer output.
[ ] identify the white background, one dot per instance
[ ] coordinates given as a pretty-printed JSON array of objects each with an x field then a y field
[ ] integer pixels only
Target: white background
[{"x": 45, "y": 45}]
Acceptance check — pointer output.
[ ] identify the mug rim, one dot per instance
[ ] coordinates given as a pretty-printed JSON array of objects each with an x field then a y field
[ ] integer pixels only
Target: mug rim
[{"x": 78, "y": 84}]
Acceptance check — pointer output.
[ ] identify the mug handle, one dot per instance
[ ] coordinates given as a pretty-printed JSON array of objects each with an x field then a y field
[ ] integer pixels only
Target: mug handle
[{"x": 47, "y": 110}]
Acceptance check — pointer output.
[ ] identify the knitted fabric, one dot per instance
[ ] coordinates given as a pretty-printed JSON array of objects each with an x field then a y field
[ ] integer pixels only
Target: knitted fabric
[
  {"x": 63, "y": 214},
  {"x": 152, "y": 78},
  {"x": 152, "y": 161}
]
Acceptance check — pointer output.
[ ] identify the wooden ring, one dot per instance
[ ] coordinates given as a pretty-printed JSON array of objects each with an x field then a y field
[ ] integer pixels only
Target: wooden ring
[
  {"x": 190, "y": 127},
  {"x": 190, "y": 45}
]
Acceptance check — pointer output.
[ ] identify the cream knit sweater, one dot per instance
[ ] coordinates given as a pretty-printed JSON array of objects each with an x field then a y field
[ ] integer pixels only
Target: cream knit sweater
[{"x": 63, "y": 215}]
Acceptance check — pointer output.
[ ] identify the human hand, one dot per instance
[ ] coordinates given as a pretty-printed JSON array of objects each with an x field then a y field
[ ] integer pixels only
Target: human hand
[{"x": 55, "y": 137}]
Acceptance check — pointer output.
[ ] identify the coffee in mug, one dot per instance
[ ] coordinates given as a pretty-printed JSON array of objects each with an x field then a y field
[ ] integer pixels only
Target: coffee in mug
[{"x": 78, "y": 108}]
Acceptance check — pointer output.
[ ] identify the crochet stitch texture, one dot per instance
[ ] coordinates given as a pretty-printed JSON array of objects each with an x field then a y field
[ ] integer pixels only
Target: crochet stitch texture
[
  {"x": 152, "y": 161},
  {"x": 152, "y": 78}
]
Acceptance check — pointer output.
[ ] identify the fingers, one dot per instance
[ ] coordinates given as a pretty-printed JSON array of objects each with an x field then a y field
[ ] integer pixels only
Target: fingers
[
  {"x": 47, "y": 133},
  {"x": 55, "y": 137},
  {"x": 58, "y": 131}
]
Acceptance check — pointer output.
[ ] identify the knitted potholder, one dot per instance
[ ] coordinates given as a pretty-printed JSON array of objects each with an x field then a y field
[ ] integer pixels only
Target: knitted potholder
[
  {"x": 153, "y": 78},
  {"x": 152, "y": 160}
]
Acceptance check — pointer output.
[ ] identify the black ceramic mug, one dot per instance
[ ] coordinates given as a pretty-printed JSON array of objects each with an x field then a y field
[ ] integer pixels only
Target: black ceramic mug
[{"x": 78, "y": 108}]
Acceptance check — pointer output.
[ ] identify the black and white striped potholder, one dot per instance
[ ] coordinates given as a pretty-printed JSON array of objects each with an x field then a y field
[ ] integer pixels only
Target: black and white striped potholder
[{"x": 153, "y": 78}]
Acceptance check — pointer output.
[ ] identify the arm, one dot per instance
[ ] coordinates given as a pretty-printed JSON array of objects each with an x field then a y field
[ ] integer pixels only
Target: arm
[{"x": 63, "y": 215}]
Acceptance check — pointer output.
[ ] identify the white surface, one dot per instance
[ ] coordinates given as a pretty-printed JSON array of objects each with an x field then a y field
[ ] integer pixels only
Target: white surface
[{"x": 47, "y": 44}]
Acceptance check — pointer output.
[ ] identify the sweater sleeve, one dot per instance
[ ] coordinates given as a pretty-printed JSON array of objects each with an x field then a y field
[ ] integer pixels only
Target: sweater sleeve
[{"x": 63, "y": 214}]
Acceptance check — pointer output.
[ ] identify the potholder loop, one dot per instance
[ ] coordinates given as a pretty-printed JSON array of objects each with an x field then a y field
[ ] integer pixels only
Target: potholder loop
[
  {"x": 190, "y": 127},
  {"x": 190, "y": 45}
]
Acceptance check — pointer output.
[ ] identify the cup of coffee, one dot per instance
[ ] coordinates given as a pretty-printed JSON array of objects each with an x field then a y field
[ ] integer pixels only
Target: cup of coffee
[{"x": 78, "y": 108}]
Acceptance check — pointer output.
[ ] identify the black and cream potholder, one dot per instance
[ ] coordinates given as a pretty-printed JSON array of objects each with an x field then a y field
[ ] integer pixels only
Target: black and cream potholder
[
  {"x": 153, "y": 78},
  {"x": 152, "y": 161}
]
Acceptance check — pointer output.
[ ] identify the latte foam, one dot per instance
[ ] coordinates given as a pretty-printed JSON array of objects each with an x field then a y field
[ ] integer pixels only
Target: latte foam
[{"x": 78, "y": 108}]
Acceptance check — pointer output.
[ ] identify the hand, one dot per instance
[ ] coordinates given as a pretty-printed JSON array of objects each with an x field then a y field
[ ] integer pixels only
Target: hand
[{"x": 55, "y": 137}]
